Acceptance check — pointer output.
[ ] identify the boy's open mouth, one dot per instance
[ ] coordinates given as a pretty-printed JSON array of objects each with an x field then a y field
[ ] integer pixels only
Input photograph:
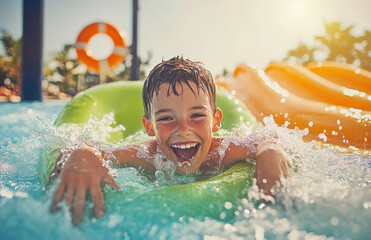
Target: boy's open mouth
[{"x": 185, "y": 151}]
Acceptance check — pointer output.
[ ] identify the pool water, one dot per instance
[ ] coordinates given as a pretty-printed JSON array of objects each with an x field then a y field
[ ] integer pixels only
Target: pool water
[{"x": 328, "y": 196}]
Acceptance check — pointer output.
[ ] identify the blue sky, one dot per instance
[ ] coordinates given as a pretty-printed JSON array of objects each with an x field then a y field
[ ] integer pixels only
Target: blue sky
[{"x": 221, "y": 33}]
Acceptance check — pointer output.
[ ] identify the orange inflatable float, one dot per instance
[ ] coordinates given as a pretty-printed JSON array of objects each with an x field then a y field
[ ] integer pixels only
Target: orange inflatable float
[
  {"x": 117, "y": 55},
  {"x": 328, "y": 123},
  {"x": 304, "y": 83},
  {"x": 343, "y": 74}
]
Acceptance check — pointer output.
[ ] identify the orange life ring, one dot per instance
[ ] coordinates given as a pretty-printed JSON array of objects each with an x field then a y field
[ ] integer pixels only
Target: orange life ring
[{"x": 97, "y": 65}]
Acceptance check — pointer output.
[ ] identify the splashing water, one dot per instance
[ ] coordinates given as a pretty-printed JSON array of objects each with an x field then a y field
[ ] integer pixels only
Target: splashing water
[{"x": 328, "y": 196}]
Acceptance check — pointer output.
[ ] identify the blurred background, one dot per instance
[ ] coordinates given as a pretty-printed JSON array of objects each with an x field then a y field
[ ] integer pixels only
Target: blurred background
[{"x": 220, "y": 33}]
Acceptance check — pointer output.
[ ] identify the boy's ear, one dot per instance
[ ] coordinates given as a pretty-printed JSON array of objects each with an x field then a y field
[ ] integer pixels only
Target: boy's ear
[
  {"x": 217, "y": 121},
  {"x": 148, "y": 126}
]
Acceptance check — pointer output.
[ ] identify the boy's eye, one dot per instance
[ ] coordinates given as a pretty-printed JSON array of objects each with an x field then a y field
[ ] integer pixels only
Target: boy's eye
[
  {"x": 196, "y": 115},
  {"x": 164, "y": 119}
]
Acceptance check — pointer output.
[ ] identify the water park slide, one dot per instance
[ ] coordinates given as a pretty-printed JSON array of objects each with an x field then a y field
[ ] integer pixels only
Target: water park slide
[
  {"x": 343, "y": 74},
  {"x": 326, "y": 122},
  {"x": 304, "y": 83}
]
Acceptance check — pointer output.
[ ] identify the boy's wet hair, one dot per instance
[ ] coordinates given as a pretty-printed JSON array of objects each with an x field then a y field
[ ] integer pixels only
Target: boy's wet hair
[{"x": 175, "y": 71}]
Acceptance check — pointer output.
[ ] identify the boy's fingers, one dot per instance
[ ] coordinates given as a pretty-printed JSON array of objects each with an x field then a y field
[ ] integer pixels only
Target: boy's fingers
[
  {"x": 97, "y": 198},
  {"x": 57, "y": 196},
  {"x": 110, "y": 181},
  {"x": 78, "y": 207},
  {"x": 68, "y": 197}
]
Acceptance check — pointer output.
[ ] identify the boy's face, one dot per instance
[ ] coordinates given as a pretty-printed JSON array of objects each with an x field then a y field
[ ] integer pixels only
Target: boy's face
[{"x": 183, "y": 126}]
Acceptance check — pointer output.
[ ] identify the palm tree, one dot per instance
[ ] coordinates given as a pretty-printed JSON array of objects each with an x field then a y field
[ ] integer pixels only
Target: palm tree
[
  {"x": 364, "y": 50},
  {"x": 67, "y": 67},
  {"x": 64, "y": 67},
  {"x": 11, "y": 62},
  {"x": 340, "y": 42},
  {"x": 303, "y": 54},
  {"x": 125, "y": 73},
  {"x": 4, "y": 73}
]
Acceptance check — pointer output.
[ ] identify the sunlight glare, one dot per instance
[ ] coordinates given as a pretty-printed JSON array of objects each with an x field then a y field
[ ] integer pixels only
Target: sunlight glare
[{"x": 297, "y": 8}]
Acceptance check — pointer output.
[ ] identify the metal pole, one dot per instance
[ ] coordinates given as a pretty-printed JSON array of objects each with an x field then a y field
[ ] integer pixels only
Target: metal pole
[
  {"x": 32, "y": 50},
  {"x": 134, "y": 74}
]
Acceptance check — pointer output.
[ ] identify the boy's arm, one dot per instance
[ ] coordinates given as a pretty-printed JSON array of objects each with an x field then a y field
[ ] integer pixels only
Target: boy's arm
[
  {"x": 128, "y": 156},
  {"x": 271, "y": 167},
  {"x": 85, "y": 171}
]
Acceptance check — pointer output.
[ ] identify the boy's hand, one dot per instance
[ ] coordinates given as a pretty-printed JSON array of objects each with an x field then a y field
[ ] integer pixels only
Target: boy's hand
[
  {"x": 82, "y": 172},
  {"x": 271, "y": 167}
]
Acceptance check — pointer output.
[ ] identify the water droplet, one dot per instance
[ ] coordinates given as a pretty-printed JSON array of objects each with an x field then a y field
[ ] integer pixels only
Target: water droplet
[
  {"x": 334, "y": 221},
  {"x": 259, "y": 232},
  {"x": 228, "y": 205},
  {"x": 223, "y": 215},
  {"x": 6, "y": 193},
  {"x": 323, "y": 137},
  {"x": 246, "y": 212}
]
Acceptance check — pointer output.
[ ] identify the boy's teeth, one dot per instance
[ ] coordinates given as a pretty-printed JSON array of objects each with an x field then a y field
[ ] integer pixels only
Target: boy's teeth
[{"x": 184, "y": 146}]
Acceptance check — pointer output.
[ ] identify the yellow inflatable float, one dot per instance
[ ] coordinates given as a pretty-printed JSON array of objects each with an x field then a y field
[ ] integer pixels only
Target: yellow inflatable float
[{"x": 331, "y": 121}]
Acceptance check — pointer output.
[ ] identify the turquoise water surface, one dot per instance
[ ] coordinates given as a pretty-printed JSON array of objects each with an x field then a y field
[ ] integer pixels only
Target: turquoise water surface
[{"x": 328, "y": 196}]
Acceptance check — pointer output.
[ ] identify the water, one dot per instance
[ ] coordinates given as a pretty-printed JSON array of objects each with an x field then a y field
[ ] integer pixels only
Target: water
[{"x": 328, "y": 197}]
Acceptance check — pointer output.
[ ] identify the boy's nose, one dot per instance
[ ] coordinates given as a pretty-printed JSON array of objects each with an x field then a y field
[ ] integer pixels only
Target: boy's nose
[{"x": 183, "y": 127}]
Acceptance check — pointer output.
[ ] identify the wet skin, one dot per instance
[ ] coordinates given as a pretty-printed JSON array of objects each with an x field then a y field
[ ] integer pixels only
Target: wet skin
[
  {"x": 183, "y": 122},
  {"x": 183, "y": 127}
]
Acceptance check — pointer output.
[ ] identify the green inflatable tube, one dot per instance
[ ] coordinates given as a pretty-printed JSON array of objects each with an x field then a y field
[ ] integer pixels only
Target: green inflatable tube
[{"x": 205, "y": 198}]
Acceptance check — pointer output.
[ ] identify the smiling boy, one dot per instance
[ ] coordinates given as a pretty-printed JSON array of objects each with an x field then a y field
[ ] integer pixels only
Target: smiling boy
[{"x": 180, "y": 112}]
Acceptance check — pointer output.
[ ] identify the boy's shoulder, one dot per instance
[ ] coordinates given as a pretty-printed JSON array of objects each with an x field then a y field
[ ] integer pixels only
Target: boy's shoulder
[{"x": 229, "y": 152}]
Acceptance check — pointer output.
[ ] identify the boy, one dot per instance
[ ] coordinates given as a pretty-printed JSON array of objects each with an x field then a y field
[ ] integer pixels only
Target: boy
[{"x": 180, "y": 112}]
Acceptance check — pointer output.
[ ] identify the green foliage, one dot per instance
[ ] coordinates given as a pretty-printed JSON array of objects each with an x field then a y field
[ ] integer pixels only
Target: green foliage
[
  {"x": 303, "y": 53},
  {"x": 10, "y": 64},
  {"x": 338, "y": 44},
  {"x": 124, "y": 73},
  {"x": 64, "y": 67},
  {"x": 364, "y": 52},
  {"x": 4, "y": 72}
]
